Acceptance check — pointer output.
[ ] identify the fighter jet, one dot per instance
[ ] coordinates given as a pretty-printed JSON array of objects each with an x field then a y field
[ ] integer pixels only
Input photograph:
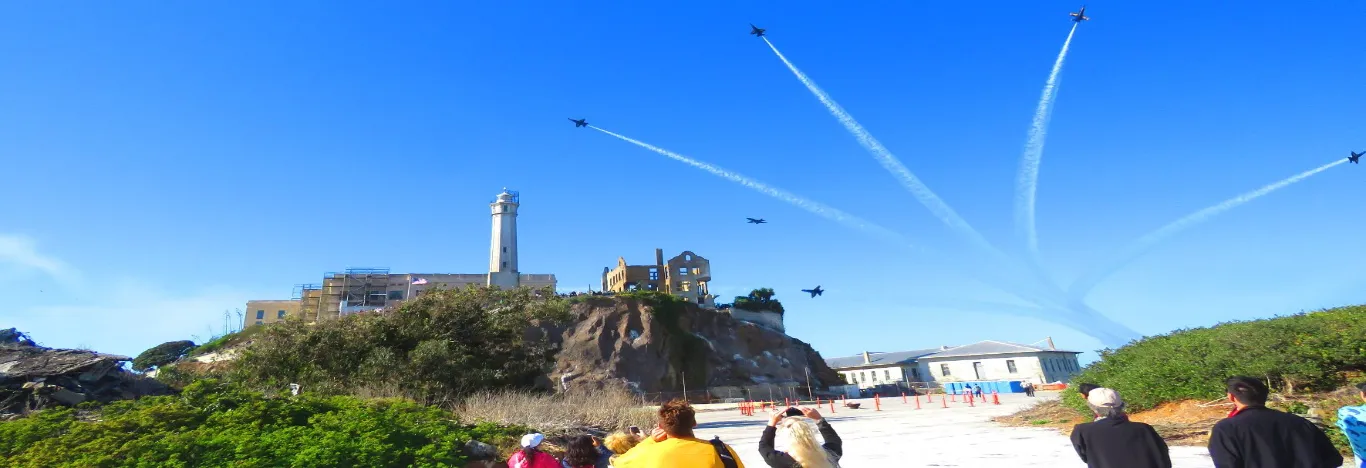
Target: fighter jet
[
  {"x": 756, "y": 221},
  {"x": 755, "y": 30},
  {"x": 814, "y": 292},
  {"x": 1355, "y": 158},
  {"x": 1080, "y": 15},
  {"x": 579, "y": 123}
]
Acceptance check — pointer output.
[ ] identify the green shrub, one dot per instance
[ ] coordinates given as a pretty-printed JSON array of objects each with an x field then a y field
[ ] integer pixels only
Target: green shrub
[
  {"x": 759, "y": 300},
  {"x": 212, "y": 424},
  {"x": 434, "y": 349},
  {"x": 1308, "y": 351},
  {"x": 162, "y": 354}
]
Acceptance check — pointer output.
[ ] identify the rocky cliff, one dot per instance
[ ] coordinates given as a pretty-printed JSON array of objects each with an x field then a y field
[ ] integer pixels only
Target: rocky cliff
[
  {"x": 33, "y": 377},
  {"x": 650, "y": 345}
]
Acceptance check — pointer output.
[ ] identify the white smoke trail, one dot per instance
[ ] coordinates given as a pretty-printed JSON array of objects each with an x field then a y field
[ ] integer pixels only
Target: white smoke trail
[
  {"x": 889, "y": 162},
  {"x": 1092, "y": 324},
  {"x": 1083, "y": 285},
  {"x": 1027, "y": 182},
  {"x": 816, "y": 208}
]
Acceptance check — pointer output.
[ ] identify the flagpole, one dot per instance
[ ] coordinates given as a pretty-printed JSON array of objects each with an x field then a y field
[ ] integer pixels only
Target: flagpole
[{"x": 410, "y": 288}]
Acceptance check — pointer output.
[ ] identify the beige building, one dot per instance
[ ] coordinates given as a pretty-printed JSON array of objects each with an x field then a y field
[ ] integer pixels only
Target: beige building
[
  {"x": 364, "y": 289},
  {"x": 259, "y": 312},
  {"x": 686, "y": 275}
]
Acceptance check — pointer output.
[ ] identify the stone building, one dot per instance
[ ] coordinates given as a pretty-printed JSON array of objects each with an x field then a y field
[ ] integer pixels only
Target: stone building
[{"x": 686, "y": 275}]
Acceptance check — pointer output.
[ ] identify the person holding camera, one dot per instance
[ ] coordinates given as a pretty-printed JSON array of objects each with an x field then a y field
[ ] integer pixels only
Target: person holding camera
[{"x": 798, "y": 427}]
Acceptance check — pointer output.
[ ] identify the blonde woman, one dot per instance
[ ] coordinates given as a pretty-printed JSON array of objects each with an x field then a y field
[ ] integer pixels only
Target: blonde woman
[{"x": 798, "y": 428}]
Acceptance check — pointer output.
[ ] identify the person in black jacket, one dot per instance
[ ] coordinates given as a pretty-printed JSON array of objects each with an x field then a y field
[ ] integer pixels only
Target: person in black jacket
[
  {"x": 801, "y": 441},
  {"x": 1113, "y": 441},
  {"x": 1254, "y": 436}
]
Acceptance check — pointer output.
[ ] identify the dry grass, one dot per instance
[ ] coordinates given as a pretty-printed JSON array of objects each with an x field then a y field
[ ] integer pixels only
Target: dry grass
[
  {"x": 560, "y": 414},
  {"x": 1179, "y": 423},
  {"x": 1050, "y": 414}
]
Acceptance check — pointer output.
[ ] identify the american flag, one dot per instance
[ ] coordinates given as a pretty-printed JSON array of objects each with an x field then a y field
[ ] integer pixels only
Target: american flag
[{"x": 420, "y": 281}]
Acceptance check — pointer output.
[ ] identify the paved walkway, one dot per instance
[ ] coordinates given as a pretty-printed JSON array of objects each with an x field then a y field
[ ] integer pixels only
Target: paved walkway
[{"x": 902, "y": 436}]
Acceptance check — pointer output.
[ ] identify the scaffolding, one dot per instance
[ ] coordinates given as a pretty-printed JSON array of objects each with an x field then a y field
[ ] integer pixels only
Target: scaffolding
[
  {"x": 352, "y": 290},
  {"x": 309, "y": 297}
]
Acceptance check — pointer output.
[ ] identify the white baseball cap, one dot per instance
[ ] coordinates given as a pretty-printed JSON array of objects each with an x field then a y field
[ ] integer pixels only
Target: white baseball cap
[
  {"x": 1104, "y": 397},
  {"x": 532, "y": 440}
]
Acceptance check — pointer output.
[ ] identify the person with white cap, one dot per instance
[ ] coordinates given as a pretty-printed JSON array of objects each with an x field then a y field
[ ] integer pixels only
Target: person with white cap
[
  {"x": 1113, "y": 441},
  {"x": 531, "y": 457}
]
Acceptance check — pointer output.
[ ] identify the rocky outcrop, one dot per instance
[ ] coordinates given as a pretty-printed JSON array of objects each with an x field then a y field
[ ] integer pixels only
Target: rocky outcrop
[
  {"x": 650, "y": 346},
  {"x": 33, "y": 377}
]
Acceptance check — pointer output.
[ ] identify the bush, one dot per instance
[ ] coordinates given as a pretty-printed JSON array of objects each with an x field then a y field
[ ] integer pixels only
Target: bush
[
  {"x": 436, "y": 348},
  {"x": 1311, "y": 351},
  {"x": 162, "y": 354},
  {"x": 212, "y": 424},
  {"x": 759, "y": 300}
]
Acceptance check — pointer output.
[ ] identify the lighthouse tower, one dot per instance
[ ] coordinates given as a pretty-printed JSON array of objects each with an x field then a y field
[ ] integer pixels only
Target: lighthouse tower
[{"x": 503, "y": 248}]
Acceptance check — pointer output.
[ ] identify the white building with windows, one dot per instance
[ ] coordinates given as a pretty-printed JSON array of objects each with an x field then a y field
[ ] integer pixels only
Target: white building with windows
[
  {"x": 982, "y": 361},
  {"x": 871, "y": 369},
  {"x": 999, "y": 360}
]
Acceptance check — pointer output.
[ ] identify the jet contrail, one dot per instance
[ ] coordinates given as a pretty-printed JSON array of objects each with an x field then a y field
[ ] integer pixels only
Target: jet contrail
[
  {"x": 816, "y": 208},
  {"x": 1097, "y": 326},
  {"x": 1087, "y": 281},
  {"x": 1027, "y": 182},
  {"x": 889, "y": 162},
  {"x": 987, "y": 275}
]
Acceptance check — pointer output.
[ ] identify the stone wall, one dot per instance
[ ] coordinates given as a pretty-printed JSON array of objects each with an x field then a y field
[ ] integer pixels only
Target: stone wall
[{"x": 770, "y": 320}]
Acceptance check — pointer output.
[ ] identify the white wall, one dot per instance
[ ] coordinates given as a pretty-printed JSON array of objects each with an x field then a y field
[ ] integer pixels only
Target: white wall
[
  {"x": 897, "y": 374},
  {"x": 1039, "y": 367}
]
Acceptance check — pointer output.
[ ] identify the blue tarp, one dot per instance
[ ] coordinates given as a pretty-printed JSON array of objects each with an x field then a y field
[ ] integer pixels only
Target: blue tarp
[{"x": 1000, "y": 386}]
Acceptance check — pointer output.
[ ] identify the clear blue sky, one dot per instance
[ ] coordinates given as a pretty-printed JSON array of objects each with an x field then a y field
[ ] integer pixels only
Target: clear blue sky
[{"x": 165, "y": 163}]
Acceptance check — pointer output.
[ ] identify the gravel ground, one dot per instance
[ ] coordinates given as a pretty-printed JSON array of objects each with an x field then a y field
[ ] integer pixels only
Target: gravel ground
[{"x": 903, "y": 436}]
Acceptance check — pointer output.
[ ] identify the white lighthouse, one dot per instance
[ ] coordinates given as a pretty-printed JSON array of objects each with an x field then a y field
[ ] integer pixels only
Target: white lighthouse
[{"x": 503, "y": 248}]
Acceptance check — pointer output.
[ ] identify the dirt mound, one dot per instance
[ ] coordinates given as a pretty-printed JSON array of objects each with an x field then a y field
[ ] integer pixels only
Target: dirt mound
[
  {"x": 1180, "y": 423},
  {"x": 647, "y": 347}
]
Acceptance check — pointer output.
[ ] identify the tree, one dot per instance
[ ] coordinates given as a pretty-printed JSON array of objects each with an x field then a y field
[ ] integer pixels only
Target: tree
[
  {"x": 162, "y": 354},
  {"x": 759, "y": 300}
]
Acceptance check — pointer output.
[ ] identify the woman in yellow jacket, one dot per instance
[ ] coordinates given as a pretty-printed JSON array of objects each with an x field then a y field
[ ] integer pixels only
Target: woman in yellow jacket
[{"x": 672, "y": 444}]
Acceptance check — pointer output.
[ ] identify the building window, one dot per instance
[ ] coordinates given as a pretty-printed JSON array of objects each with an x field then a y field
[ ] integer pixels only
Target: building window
[
  {"x": 1010, "y": 365},
  {"x": 887, "y": 374},
  {"x": 395, "y": 295},
  {"x": 258, "y": 322},
  {"x": 505, "y": 250},
  {"x": 280, "y": 315},
  {"x": 260, "y": 315},
  {"x": 505, "y": 208},
  {"x": 505, "y": 264},
  {"x": 654, "y": 274},
  {"x": 915, "y": 373},
  {"x": 944, "y": 370},
  {"x": 683, "y": 271}
]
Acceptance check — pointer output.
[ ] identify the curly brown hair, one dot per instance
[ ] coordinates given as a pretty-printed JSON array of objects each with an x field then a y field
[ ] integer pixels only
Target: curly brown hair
[{"x": 677, "y": 418}]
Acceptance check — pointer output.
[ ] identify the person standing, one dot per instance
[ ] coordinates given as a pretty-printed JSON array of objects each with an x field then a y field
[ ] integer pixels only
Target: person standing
[
  {"x": 803, "y": 450},
  {"x": 530, "y": 456},
  {"x": 1352, "y": 421},
  {"x": 1254, "y": 436},
  {"x": 672, "y": 444},
  {"x": 1113, "y": 441}
]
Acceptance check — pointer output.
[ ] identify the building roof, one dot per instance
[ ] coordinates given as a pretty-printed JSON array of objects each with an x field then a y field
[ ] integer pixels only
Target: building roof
[
  {"x": 987, "y": 347},
  {"x": 879, "y": 359}
]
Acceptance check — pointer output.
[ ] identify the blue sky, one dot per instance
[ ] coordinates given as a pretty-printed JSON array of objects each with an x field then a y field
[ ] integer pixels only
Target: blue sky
[{"x": 167, "y": 162}]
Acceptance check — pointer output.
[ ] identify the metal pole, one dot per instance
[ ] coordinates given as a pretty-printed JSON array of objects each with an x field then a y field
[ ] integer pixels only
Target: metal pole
[{"x": 809, "y": 393}]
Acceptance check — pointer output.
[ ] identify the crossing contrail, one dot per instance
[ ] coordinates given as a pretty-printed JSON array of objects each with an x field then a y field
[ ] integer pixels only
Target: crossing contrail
[
  {"x": 922, "y": 193},
  {"x": 1027, "y": 182},
  {"x": 1088, "y": 281},
  {"x": 1100, "y": 329},
  {"x": 815, "y": 208}
]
